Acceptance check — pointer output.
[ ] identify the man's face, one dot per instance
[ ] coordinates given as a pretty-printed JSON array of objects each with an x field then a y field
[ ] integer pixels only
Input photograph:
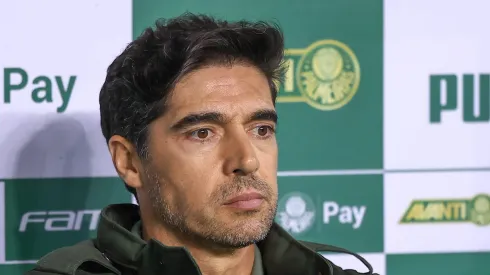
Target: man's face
[{"x": 215, "y": 143}]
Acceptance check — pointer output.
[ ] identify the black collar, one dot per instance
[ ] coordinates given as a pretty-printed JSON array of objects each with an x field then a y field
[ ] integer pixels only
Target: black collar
[{"x": 281, "y": 253}]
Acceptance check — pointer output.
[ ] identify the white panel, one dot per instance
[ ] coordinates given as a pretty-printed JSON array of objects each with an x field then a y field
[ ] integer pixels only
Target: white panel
[
  {"x": 2, "y": 223},
  {"x": 64, "y": 39},
  {"x": 401, "y": 189},
  {"x": 424, "y": 38}
]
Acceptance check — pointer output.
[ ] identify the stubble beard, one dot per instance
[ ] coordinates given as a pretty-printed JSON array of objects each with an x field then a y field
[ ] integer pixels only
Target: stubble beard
[{"x": 204, "y": 227}]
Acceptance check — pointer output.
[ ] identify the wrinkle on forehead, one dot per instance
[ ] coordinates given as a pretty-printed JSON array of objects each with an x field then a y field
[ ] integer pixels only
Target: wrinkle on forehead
[{"x": 214, "y": 86}]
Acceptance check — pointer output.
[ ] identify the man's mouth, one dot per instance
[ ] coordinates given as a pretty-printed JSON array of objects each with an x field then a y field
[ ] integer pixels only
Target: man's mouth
[{"x": 248, "y": 200}]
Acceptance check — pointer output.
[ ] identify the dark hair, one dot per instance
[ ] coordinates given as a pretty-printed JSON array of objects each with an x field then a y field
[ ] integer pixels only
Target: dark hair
[{"x": 141, "y": 78}]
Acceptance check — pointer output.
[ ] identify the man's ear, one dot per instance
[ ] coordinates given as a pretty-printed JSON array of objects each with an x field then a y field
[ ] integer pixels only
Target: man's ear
[{"x": 126, "y": 161}]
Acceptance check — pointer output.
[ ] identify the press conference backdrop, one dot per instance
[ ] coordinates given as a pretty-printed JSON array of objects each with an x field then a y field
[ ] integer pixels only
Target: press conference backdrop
[{"x": 384, "y": 139}]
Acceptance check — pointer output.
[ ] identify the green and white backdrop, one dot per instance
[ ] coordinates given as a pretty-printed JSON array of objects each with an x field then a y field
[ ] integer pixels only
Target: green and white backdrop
[{"x": 385, "y": 125}]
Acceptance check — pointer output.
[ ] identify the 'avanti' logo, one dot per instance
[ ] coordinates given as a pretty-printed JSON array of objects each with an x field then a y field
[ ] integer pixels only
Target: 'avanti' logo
[{"x": 475, "y": 210}]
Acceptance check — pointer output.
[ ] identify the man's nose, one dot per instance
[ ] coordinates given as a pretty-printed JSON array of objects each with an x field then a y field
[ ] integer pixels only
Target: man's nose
[{"x": 241, "y": 158}]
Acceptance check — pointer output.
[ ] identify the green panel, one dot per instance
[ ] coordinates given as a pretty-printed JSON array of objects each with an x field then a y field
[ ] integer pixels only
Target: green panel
[
  {"x": 42, "y": 229},
  {"x": 431, "y": 264},
  {"x": 319, "y": 129},
  {"x": 15, "y": 269},
  {"x": 345, "y": 211}
]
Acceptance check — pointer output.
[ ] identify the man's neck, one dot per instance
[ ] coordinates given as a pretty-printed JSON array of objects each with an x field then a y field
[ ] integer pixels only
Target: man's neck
[{"x": 211, "y": 261}]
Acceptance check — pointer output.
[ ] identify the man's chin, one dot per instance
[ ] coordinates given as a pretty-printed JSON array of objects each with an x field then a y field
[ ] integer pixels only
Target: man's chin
[
  {"x": 239, "y": 233},
  {"x": 241, "y": 239},
  {"x": 252, "y": 229},
  {"x": 248, "y": 221}
]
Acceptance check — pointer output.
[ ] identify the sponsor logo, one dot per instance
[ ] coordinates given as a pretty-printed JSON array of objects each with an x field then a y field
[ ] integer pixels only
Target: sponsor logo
[
  {"x": 63, "y": 220},
  {"x": 296, "y": 213},
  {"x": 475, "y": 210},
  {"x": 467, "y": 94},
  {"x": 43, "y": 89},
  {"x": 326, "y": 75},
  {"x": 352, "y": 215}
]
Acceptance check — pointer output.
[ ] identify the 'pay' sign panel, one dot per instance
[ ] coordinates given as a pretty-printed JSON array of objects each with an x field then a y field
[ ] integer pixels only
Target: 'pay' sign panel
[{"x": 20, "y": 87}]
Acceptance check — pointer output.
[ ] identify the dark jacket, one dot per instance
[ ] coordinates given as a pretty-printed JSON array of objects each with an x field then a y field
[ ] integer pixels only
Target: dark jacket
[{"x": 116, "y": 250}]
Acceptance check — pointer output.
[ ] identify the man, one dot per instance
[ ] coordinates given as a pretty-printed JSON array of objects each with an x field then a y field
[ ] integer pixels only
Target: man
[{"x": 188, "y": 114}]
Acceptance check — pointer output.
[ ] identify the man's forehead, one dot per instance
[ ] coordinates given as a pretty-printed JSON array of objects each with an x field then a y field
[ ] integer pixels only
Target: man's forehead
[
  {"x": 222, "y": 71},
  {"x": 222, "y": 81},
  {"x": 221, "y": 90}
]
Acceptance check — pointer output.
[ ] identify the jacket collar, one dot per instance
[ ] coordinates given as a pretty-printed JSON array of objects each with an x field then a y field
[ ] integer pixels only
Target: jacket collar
[{"x": 281, "y": 254}]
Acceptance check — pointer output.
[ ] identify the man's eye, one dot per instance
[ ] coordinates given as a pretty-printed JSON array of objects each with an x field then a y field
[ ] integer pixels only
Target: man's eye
[
  {"x": 264, "y": 130},
  {"x": 201, "y": 134}
]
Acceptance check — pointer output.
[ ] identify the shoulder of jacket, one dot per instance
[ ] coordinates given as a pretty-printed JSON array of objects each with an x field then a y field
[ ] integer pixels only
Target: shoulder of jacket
[
  {"x": 337, "y": 270},
  {"x": 67, "y": 260}
]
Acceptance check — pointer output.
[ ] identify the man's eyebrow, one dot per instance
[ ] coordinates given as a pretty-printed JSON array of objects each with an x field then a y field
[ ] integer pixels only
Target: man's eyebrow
[
  {"x": 219, "y": 118},
  {"x": 197, "y": 118},
  {"x": 264, "y": 114}
]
